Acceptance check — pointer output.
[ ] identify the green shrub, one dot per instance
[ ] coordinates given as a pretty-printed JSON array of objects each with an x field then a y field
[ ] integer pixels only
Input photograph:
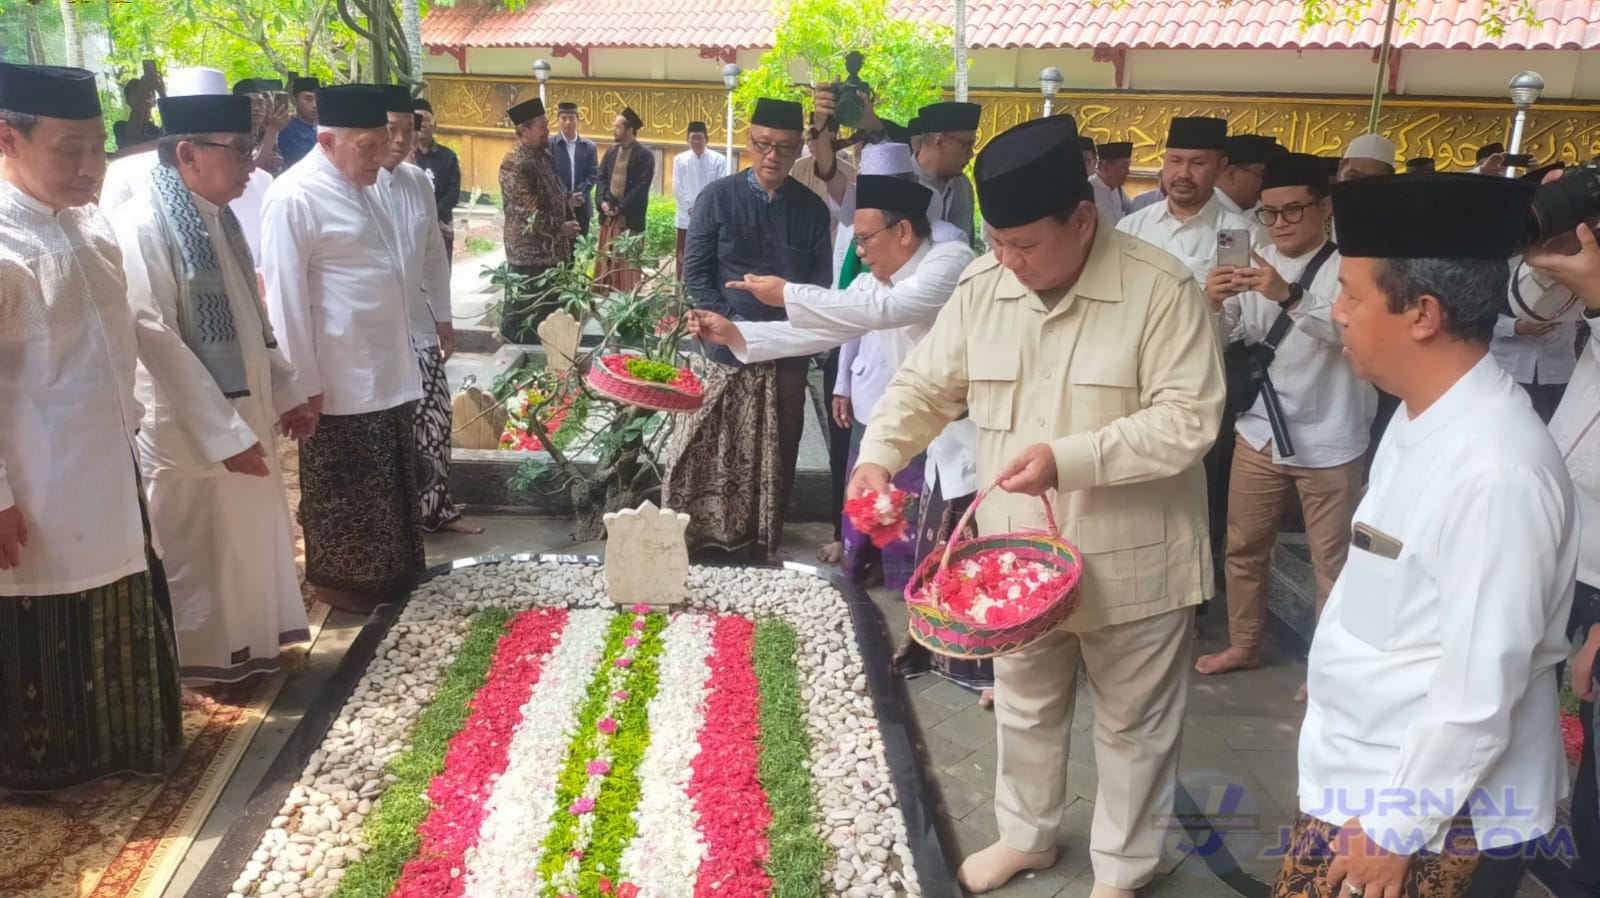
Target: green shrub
[
  {"x": 479, "y": 245},
  {"x": 661, "y": 228}
]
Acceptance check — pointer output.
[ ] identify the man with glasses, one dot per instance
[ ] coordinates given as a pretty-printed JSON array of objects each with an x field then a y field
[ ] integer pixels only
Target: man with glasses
[
  {"x": 1285, "y": 301},
  {"x": 216, "y": 393},
  {"x": 943, "y": 138},
  {"x": 731, "y": 465}
]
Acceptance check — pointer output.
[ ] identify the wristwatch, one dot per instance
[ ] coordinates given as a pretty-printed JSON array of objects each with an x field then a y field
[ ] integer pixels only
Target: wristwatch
[{"x": 1296, "y": 293}]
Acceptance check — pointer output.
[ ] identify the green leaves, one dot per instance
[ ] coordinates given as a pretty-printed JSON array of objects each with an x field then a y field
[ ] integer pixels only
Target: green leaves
[{"x": 907, "y": 63}]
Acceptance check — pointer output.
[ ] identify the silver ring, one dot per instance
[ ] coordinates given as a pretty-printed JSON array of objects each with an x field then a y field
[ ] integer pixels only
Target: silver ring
[{"x": 1354, "y": 891}]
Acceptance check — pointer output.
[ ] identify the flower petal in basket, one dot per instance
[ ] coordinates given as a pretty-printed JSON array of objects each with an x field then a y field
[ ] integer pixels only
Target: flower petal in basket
[{"x": 624, "y": 388}]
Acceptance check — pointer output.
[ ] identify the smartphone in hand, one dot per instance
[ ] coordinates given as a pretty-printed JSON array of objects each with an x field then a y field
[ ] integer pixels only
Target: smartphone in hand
[{"x": 1233, "y": 248}]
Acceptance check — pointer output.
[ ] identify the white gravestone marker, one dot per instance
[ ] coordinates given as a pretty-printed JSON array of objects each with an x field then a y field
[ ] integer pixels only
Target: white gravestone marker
[{"x": 647, "y": 557}]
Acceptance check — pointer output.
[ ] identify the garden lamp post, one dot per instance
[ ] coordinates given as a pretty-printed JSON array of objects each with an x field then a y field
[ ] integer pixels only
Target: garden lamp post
[
  {"x": 1049, "y": 85},
  {"x": 1525, "y": 89},
  {"x": 541, "y": 72},
  {"x": 730, "y": 80}
]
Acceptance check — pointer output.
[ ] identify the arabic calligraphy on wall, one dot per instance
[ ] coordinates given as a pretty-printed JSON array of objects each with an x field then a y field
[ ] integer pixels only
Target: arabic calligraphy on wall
[{"x": 1448, "y": 131}]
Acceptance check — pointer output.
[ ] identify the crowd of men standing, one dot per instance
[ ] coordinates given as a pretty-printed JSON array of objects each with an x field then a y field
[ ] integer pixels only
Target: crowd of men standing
[
  {"x": 146, "y": 373},
  {"x": 152, "y": 365}
]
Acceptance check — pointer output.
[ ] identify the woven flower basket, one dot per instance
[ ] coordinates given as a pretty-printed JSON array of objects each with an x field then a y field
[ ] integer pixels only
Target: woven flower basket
[
  {"x": 642, "y": 393},
  {"x": 939, "y": 630}
]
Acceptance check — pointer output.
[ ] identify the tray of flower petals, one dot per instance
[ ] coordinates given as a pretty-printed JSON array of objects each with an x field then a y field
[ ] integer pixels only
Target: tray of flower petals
[
  {"x": 645, "y": 383},
  {"x": 990, "y": 596}
]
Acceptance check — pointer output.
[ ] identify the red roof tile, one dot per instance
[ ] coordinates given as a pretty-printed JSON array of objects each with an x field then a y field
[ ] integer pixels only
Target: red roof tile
[{"x": 1039, "y": 24}]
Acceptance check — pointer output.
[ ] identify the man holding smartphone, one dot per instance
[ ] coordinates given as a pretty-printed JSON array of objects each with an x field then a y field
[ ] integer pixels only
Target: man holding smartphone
[{"x": 1283, "y": 297}]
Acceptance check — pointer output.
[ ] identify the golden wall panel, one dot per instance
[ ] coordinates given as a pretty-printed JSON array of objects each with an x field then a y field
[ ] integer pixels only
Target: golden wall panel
[{"x": 1445, "y": 130}]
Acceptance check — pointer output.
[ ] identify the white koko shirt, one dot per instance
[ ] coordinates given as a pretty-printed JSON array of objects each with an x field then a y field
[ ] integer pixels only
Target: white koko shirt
[
  {"x": 897, "y": 315},
  {"x": 408, "y": 199},
  {"x": 1193, "y": 241},
  {"x": 1327, "y": 408},
  {"x": 336, "y": 290},
  {"x": 1432, "y": 674},
  {"x": 690, "y": 175},
  {"x": 67, "y": 412}
]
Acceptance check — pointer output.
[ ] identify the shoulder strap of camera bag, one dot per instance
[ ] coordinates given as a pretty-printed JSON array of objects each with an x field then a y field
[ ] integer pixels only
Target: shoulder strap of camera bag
[{"x": 1283, "y": 322}]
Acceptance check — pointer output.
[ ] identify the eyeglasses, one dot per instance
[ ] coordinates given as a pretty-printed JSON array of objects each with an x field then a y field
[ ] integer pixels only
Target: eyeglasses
[
  {"x": 1291, "y": 214},
  {"x": 861, "y": 240},
  {"x": 781, "y": 150},
  {"x": 240, "y": 152}
]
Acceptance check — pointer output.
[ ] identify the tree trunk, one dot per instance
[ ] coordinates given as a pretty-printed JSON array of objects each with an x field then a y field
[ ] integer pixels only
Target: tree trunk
[
  {"x": 69, "y": 34},
  {"x": 411, "y": 22},
  {"x": 35, "y": 43},
  {"x": 961, "y": 51}
]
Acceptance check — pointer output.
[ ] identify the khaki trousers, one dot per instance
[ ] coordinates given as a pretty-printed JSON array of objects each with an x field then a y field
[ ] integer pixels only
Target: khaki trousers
[
  {"x": 1138, "y": 674},
  {"x": 1257, "y": 492}
]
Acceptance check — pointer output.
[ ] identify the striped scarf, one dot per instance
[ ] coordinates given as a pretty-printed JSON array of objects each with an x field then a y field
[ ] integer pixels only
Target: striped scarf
[{"x": 205, "y": 316}]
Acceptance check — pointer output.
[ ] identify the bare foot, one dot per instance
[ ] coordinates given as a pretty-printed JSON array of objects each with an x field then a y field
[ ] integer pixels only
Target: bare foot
[
  {"x": 1301, "y": 694},
  {"x": 831, "y": 553},
  {"x": 994, "y": 866},
  {"x": 346, "y": 600},
  {"x": 1227, "y": 661},
  {"x": 986, "y": 699},
  {"x": 461, "y": 525}
]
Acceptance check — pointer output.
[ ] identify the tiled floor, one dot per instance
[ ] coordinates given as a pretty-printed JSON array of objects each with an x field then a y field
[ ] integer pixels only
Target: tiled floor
[{"x": 1240, "y": 732}]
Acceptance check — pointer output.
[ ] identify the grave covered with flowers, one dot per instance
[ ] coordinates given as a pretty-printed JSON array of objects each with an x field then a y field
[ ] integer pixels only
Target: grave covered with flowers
[{"x": 557, "y": 730}]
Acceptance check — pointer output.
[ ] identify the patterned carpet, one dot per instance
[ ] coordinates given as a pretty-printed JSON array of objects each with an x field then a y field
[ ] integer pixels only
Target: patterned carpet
[{"x": 127, "y": 840}]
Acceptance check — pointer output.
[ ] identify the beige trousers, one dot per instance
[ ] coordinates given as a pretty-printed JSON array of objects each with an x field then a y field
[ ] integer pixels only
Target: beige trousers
[
  {"x": 1257, "y": 491},
  {"x": 1138, "y": 673}
]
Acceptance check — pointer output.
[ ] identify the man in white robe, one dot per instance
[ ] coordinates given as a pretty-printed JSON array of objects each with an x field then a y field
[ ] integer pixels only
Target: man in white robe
[
  {"x": 336, "y": 290},
  {"x": 912, "y": 277},
  {"x": 407, "y": 195},
  {"x": 1431, "y": 733},
  {"x": 216, "y": 391},
  {"x": 83, "y": 600},
  {"x": 128, "y": 177}
]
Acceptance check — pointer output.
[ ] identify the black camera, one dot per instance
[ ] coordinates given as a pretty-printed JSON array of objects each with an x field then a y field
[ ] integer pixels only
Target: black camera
[
  {"x": 1574, "y": 199},
  {"x": 850, "y": 95}
]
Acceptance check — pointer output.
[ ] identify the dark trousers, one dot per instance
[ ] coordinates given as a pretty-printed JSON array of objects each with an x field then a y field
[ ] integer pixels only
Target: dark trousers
[
  {"x": 526, "y": 307},
  {"x": 838, "y": 440},
  {"x": 585, "y": 214},
  {"x": 1586, "y": 809}
]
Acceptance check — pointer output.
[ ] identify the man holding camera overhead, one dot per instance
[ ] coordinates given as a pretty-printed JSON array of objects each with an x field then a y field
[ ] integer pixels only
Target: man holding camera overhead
[{"x": 1281, "y": 306}]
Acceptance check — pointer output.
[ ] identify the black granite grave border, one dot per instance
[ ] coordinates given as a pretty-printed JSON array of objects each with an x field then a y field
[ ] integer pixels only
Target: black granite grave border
[{"x": 896, "y": 726}]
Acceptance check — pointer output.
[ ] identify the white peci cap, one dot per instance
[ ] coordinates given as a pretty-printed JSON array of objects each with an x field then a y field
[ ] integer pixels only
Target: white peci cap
[
  {"x": 196, "y": 82},
  {"x": 1371, "y": 146},
  {"x": 886, "y": 159}
]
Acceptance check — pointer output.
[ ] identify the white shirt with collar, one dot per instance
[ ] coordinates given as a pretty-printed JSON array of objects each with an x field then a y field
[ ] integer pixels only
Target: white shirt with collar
[
  {"x": 1328, "y": 410},
  {"x": 1193, "y": 240},
  {"x": 408, "y": 200},
  {"x": 896, "y": 315},
  {"x": 67, "y": 407},
  {"x": 1547, "y": 358},
  {"x": 1111, "y": 204},
  {"x": 336, "y": 289},
  {"x": 690, "y": 175},
  {"x": 1433, "y": 665}
]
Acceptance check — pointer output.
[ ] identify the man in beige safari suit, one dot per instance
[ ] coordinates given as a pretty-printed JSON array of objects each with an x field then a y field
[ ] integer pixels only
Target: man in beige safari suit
[{"x": 1087, "y": 360}]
